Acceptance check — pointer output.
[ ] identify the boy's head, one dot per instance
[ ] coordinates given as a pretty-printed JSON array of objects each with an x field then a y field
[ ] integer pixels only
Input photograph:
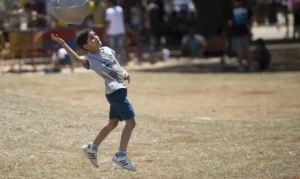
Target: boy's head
[
  {"x": 88, "y": 40},
  {"x": 113, "y": 2},
  {"x": 238, "y": 2},
  {"x": 260, "y": 43}
]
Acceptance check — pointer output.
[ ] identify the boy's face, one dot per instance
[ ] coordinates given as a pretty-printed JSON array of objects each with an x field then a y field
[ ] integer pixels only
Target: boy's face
[{"x": 93, "y": 42}]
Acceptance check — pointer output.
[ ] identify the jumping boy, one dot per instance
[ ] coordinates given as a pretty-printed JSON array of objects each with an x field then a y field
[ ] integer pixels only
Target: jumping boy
[{"x": 102, "y": 60}]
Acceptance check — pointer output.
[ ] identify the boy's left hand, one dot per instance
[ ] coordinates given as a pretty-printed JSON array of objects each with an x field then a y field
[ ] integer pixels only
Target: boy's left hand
[
  {"x": 57, "y": 39},
  {"x": 126, "y": 76}
]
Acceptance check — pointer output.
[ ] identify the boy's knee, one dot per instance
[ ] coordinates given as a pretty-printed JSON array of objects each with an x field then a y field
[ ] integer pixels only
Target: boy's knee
[
  {"x": 131, "y": 123},
  {"x": 112, "y": 124}
]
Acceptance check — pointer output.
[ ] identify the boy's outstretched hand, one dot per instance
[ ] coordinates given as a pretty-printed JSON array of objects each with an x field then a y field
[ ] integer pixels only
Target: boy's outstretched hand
[
  {"x": 57, "y": 39},
  {"x": 126, "y": 76}
]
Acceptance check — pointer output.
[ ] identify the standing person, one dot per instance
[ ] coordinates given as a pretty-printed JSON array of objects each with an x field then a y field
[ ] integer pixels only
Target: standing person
[
  {"x": 284, "y": 9},
  {"x": 102, "y": 60},
  {"x": 115, "y": 29},
  {"x": 155, "y": 14},
  {"x": 272, "y": 12},
  {"x": 296, "y": 13},
  {"x": 240, "y": 20},
  {"x": 136, "y": 16},
  {"x": 99, "y": 13},
  {"x": 145, "y": 41}
]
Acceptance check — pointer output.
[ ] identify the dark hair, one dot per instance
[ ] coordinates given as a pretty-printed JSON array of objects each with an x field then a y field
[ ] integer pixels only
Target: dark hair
[
  {"x": 220, "y": 30},
  {"x": 260, "y": 42},
  {"x": 113, "y": 2},
  {"x": 82, "y": 37}
]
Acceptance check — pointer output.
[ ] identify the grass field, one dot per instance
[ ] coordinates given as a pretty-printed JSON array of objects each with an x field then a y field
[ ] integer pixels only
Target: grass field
[{"x": 188, "y": 126}]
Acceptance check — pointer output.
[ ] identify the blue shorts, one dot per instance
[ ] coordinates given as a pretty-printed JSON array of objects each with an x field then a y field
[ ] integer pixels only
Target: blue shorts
[{"x": 120, "y": 107}]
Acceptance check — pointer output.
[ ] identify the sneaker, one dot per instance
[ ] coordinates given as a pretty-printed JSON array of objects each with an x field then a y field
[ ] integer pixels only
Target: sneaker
[
  {"x": 91, "y": 154},
  {"x": 123, "y": 162}
]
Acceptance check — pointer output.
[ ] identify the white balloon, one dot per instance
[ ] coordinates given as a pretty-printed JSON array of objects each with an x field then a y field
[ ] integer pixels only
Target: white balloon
[{"x": 70, "y": 11}]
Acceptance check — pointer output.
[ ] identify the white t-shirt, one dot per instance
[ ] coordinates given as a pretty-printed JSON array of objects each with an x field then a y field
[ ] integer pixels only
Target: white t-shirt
[
  {"x": 115, "y": 16},
  {"x": 105, "y": 64},
  {"x": 62, "y": 53}
]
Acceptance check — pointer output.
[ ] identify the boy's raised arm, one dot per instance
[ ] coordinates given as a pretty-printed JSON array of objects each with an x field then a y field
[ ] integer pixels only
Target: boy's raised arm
[{"x": 73, "y": 55}]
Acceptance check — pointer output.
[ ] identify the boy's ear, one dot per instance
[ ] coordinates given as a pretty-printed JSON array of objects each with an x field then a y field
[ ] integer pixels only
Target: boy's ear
[{"x": 86, "y": 46}]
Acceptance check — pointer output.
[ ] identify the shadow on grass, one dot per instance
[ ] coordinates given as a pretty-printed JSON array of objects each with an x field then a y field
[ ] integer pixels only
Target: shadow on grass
[
  {"x": 23, "y": 71},
  {"x": 288, "y": 66}
]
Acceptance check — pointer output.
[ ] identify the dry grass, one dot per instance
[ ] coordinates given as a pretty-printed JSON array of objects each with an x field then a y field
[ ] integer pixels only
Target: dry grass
[{"x": 189, "y": 126}]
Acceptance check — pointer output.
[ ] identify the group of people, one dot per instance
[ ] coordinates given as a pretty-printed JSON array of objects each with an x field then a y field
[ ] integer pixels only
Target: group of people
[
  {"x": 240, "y": 23},
  {"x": 139, "y": 35},
  {"x": 149, "y": 30},
  {"x": 233, "y": 41},
  {"x": 269, "y": 10}
]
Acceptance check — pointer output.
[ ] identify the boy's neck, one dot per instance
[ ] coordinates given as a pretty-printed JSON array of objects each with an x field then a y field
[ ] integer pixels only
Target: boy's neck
[{"x": 94, "y": 51}]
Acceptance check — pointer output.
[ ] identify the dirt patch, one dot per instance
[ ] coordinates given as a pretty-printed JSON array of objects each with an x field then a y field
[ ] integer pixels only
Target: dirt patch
[
  {"x": 77, "y": 98},
  {"x": 258, "y": 92},
  {"x": 134, "y": 154},
  {"x": 194, "y": 91},
  {"x": 156, "y": 93},
  {"x": 86, "y": 91},
  {"x": 295, "y": 177},
  {"x": 184, "y": 139},
  {"x": 259, "y": 159},
  {"x": 173, "y": 130},
  {"x": 290, "y": 106}
]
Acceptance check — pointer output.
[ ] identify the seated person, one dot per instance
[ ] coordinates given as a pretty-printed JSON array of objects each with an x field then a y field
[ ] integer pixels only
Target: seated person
[
  {"x": 54, "y": 66},
  {"x": 192, "y": 44},
  {"x": 217, "y": 44},
  {"x": 261, "y": 55},
  {"x": 64, "y": 58},
  {"x": 60, "y": 58}
]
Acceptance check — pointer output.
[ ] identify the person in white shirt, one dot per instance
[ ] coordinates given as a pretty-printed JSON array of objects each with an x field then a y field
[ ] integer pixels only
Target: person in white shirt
[
  {"x": 115, "y": 29},
  {"x": 60, "y": 58},
  {"x": 64, "y": 59}
]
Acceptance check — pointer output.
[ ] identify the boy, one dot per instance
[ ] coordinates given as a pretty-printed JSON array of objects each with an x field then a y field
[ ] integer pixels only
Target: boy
[{"x": 102, "y": 60}]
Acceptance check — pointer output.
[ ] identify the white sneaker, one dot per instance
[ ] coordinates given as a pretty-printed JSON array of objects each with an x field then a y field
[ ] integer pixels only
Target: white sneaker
[
  {"x": 91, "y": 154},
  {"x": 123, "y": 162}
]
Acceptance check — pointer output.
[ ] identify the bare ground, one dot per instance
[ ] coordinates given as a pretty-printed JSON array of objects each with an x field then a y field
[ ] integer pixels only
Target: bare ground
[{"x": 188, "y": 126}]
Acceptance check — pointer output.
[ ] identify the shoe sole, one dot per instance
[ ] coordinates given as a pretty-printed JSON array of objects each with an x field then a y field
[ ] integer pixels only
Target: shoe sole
[
  {"x": 116, "y": 162},
  {"x": 87, "y": 155}
]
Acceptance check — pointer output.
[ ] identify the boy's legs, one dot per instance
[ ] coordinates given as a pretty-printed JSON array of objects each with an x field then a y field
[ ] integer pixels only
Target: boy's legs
[
  {"x": 126, "y": 134},
  {"x": 121, "y": 158},
  {"x": 120, "y": 109},
  {"x": 240, "y": 45},
  {"x": 245, "y": 51},
  {"x": 90, "y": 150},
  {"x": 112, "y": 124}
]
